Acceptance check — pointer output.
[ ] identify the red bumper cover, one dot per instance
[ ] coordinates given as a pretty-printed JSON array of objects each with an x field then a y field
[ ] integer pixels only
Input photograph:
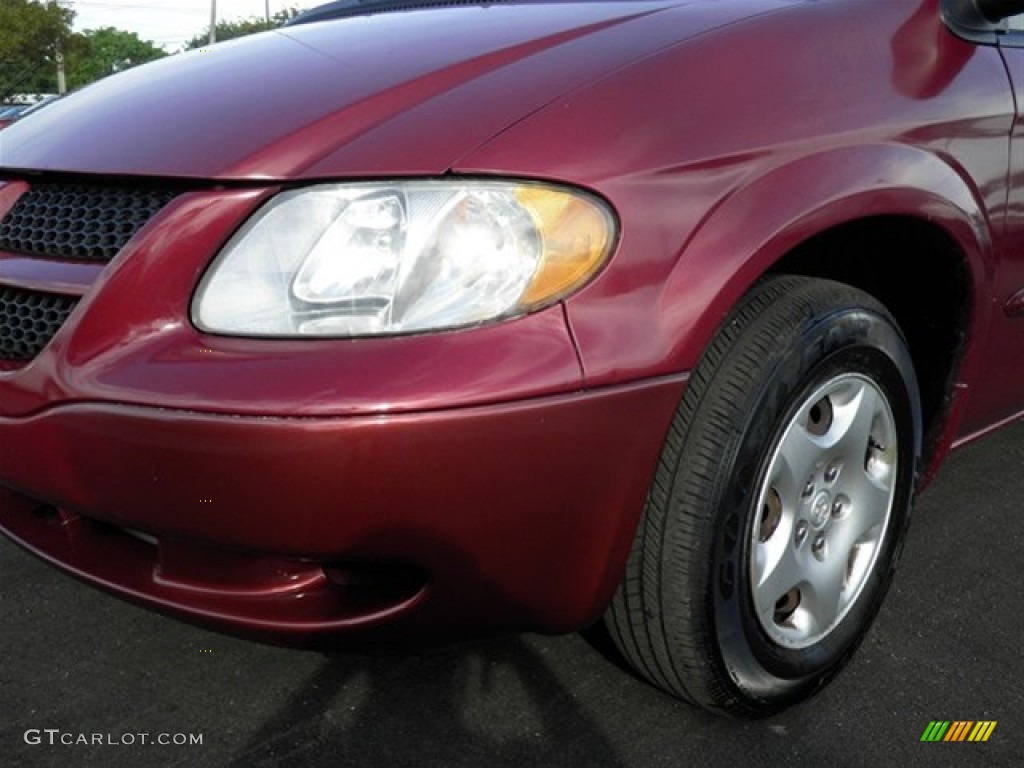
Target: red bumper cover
[{"x": 303, "y": 530}]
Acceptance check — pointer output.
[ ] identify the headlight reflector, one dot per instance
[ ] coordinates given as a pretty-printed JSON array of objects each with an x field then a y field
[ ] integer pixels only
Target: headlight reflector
[{"x": 401, "y": 257}]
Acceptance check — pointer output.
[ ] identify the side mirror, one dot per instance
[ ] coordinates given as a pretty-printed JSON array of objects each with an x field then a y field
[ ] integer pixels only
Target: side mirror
[
  {"x": 979, "y": 21},
  {"x": 997, "y": 10}
]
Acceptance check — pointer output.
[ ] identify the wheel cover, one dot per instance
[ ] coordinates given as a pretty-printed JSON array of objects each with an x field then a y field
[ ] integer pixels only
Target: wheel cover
[{"x": 823, "y": 510}]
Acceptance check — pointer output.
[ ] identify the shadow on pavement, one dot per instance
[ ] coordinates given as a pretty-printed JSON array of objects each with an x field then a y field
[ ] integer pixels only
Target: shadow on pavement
[{"x": 494, "y": 703}]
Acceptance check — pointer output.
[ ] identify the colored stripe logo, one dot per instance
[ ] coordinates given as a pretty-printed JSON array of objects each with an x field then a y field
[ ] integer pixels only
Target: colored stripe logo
[{"x": 958, "y": 730}]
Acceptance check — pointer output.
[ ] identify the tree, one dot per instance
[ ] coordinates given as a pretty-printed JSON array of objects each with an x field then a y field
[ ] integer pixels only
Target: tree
[
  {"x": 31, "y": 34},
  {"x": 228, "y": 30},
  {"x": 97, "y": 53}
]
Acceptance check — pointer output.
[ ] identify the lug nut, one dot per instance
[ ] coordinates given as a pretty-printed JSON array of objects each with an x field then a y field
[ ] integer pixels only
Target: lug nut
[
  {"x": 818, "y": 547},
  {"x": 832, "y": 472},
  {"x": 808, "y": 489},
  {"x": 801, "y": 533},
  {"x": 839, "y": 506}
]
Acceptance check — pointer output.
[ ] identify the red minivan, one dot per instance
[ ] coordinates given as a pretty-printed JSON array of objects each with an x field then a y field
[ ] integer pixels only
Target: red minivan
[{"x": 413, "y": 320}]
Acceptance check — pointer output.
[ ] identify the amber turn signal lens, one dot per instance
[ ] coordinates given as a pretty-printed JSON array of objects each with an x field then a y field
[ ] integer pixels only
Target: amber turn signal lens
[{"x": 577, "y": 235}]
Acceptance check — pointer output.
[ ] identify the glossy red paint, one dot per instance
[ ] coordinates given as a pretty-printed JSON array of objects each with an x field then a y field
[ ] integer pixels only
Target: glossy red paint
[
  {"x": 849, "y": 139},
  {"x": 511, "y": 513},
  {"x": 505, "y": 465},
  {"x": 1000, "y": 379},
  {"x": 347, "y": 98}
]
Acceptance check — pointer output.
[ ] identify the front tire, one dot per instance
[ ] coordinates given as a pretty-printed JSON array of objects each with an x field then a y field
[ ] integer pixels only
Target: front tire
[{"x": 776, "y": 516}]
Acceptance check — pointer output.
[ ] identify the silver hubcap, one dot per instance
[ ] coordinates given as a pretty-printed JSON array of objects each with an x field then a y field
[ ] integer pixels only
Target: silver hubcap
[{"x": 823, "y": 510}]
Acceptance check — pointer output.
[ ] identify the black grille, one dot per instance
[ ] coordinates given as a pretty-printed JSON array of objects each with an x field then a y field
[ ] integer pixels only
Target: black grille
[
  {"x": 76, "y": 221},
  {"x": 28, "y": 320}
]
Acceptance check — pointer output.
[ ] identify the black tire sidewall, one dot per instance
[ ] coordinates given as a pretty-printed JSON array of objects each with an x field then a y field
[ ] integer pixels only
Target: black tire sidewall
[{"x": 848, "y": 340}]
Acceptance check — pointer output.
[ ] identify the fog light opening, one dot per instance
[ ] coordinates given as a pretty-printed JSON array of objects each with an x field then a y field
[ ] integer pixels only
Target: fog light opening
[
  {"x": 374, "y": 576},
  {"x": 46, "y": 512}
]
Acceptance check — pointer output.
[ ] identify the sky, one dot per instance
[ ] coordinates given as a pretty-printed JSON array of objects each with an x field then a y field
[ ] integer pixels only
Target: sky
[{"x": 169, "y": 23}]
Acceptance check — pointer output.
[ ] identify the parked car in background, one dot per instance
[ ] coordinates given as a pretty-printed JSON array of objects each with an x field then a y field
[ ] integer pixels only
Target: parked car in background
[
  {"x": 10, "y": 113},
  {"x": 407, "y": 323},
  {"x": 18, "y": 111}
]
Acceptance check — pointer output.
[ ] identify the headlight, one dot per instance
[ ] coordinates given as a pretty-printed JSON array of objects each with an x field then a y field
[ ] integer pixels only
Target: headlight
[{"x": 387, "y": 258}]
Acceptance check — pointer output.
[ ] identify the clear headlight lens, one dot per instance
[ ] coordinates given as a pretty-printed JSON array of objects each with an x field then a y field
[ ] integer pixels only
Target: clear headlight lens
[{"x": 387, "y": 258}]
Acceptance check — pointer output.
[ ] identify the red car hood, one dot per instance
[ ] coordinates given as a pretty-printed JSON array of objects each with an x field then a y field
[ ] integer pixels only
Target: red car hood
[{"x": 397, "y": 93}]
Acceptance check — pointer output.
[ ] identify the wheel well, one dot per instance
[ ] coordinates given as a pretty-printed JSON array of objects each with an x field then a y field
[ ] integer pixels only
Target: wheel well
[{"x": 920, "y": 274}]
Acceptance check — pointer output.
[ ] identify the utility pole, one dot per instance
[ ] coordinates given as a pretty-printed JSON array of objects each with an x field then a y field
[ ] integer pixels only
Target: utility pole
[
  {"x": 213, "y": 21},
  {"x": 268, "y": 14},
  {"x": 58, "y": 55},
  {"x": 62, "y": 81}
]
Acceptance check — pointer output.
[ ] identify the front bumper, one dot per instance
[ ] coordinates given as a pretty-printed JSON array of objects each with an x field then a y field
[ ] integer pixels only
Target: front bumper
[
  {"x": 308, "y": 530},
  {"x": 308, "y": 490}
]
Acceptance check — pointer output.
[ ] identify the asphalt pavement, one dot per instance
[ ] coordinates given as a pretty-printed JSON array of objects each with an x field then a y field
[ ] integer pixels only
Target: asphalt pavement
[{"x": 77, "y": 665}]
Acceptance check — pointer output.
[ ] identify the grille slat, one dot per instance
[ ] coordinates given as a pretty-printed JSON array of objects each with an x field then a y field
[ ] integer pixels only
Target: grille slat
[
  {"x": 78, "y": 221},
  {"x": 74, "y": 222},
  {"x": 28, "y": 320}
]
